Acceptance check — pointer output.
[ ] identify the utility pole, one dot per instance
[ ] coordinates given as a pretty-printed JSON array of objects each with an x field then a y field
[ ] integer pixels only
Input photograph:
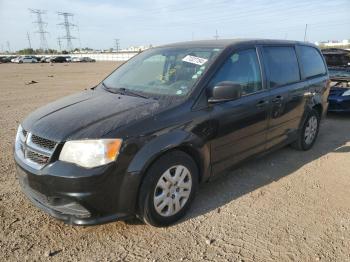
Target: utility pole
[
  {"x": 41, "y": 26},
  {"x": 216, "y": 36},
  {"x": 305, "y": 33},
  {"x": 30, "y": 44},
  {"x": 8, "y": 46},
  {"x": 116, "y": 44},
  {"x": 67, "y": 26}
]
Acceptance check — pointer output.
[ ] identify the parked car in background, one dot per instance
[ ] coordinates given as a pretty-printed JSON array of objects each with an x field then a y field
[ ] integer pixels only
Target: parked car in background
[
  {"x": 83, "y": 59},
  {"x": 43, "y": 59},
  {"x": 15, "y": 59},
  {"x": 5, "y": 59},
  {"x": 140, "y": 142},
  {"x": 26, "y": 59},
  {"x": 88, "y": 59},
  {"x": 338, "y": 61},
  {"x": 76, "y": 59},
  {"x": 58, "y": 59},
  {"x": 68, "y": 58}
]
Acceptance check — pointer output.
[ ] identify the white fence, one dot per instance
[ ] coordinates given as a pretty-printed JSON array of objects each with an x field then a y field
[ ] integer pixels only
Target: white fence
[{"x": 120, "y": 56}]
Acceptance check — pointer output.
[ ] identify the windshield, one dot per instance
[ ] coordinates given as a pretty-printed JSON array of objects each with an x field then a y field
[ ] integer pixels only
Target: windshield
[{"x": 162, "y": 71}]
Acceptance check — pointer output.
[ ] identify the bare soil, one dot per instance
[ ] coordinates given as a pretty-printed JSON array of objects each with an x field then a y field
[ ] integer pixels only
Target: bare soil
[{"x": 286, "y": 206}]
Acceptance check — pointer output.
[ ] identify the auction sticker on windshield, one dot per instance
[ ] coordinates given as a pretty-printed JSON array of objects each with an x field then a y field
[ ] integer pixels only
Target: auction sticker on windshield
[{"x": 194, "y": 60}]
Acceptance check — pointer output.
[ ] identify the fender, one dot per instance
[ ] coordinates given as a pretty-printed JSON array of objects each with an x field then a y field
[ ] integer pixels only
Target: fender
[
  {"x": 314, "y": 101},
  {"x": 177, "y": 139}
]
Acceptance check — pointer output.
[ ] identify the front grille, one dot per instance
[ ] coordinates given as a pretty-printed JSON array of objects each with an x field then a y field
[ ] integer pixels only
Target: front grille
[
  {"x": 34, "y": 150},
  {"x": 37, "y": 157},
  {"x": 43, "y": 142}
]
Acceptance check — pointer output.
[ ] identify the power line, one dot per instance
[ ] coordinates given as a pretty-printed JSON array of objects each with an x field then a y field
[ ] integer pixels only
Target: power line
[
  {"x": 41, "y": 25},
  {"x": 67, "y": 26}
]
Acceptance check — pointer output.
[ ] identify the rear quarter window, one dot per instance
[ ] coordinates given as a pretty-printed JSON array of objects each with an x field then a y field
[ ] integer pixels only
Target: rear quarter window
[
  {"x": 282, "y": 65},
  {"x": 311, "y": 62}
]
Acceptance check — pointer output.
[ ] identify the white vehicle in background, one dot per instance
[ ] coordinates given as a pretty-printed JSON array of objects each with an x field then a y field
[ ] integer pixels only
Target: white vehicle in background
[
  {"x": 25, "y": 59},
  {"x": 15, "y": 60},
  {"x": 83, "y": 59},
  {"x": 76, "y": 59}
]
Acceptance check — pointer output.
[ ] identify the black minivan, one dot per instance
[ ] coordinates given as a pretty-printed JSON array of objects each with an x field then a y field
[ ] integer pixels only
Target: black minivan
[{"x": 140, "y": 142}]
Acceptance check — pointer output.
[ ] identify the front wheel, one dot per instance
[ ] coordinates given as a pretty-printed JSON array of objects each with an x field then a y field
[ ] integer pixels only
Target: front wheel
[
  {"x": 168, "y": 189},
  {"x": 308, "y": 133}
]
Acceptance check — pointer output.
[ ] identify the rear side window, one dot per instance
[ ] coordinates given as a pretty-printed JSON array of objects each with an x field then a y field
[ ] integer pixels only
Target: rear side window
[
  {"x": 282, "y": 65},
  {"x": 311, "y": 61}
]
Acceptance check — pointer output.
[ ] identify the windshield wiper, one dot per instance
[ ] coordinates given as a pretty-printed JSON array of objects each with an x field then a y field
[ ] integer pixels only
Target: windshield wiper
[{"x": 123, "y": 91}]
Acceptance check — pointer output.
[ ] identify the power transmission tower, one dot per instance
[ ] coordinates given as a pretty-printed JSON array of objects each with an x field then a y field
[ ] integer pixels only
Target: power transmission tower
[
  {"x": 67, "y": 26},
  {"x": 116, "y": 44},
  {"x": 30, "y": 44},
  {"x": 59, "y": 43},
  {"x": 41, "y": 26},
  {"x": 216, "y": 36}
]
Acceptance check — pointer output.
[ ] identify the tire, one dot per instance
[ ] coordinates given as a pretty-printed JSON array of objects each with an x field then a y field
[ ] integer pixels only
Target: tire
[
  {"x": 168, "y": 189},
  {"x": 308, "y": 133}
]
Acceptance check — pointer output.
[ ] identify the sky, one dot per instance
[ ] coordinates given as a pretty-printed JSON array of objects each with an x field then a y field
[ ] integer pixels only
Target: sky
[{"x": 142, "y": 22}]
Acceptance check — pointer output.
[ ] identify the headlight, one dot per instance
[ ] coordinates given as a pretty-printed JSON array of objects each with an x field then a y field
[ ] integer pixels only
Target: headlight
[
  {"x": 91, "y": 153},
  {"x": 346, "y": 93}
]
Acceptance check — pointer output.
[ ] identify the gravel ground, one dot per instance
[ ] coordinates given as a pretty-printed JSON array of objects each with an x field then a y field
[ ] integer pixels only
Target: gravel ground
[{"x": 286, "y": 206}]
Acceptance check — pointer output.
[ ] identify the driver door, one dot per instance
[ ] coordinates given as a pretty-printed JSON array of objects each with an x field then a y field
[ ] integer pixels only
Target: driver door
[{"x": 242, "y": 123}]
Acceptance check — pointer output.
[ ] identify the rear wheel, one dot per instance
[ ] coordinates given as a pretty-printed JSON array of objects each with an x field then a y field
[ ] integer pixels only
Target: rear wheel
[
  {"x": 308, "y": 133},
  {"x": 168, "y": 189}
]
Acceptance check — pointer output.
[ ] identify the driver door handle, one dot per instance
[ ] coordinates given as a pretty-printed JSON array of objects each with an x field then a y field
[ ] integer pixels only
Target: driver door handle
[
  {"x": 262, "y": 103},
  {"x": 278, "y": 99}
]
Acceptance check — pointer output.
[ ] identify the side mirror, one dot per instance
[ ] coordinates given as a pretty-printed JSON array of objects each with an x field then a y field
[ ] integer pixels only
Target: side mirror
[{"x": 225, "y": 91}]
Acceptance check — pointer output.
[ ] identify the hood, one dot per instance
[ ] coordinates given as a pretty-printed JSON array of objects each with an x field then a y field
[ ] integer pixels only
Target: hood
[{"x": 89, "y": 114}]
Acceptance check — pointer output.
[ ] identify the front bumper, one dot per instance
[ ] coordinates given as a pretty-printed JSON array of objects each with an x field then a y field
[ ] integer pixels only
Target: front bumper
[{"x": 80, "y": 196}]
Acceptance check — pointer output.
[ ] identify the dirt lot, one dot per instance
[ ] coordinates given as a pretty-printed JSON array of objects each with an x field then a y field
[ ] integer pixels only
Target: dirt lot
[{"x": 287, "y": 206}]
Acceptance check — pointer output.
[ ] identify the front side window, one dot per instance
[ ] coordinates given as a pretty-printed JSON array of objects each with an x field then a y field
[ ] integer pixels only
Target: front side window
[
  {"x": 241, "y": 68},
  {"x": 311, "y": 61},
  {"x": 167, "y": 71},
  {"x": 282, "y": 65}
]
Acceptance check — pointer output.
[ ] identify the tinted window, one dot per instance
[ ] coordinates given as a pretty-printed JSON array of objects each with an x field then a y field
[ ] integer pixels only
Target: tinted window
[
  {"x": 311, "y": 61},
  {"x": 282, "y": 64},
  {"x": 241, "y": 68}
]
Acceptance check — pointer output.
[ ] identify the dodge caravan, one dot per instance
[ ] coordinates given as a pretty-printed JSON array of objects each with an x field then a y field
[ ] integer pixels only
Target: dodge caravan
[{"x": 172, "y": 117}]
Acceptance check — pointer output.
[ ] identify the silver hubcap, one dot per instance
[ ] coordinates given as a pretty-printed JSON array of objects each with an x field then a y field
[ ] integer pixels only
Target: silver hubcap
[
  {"x": 310, "y": 130},
  {"x": 172, "y": 190}
]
